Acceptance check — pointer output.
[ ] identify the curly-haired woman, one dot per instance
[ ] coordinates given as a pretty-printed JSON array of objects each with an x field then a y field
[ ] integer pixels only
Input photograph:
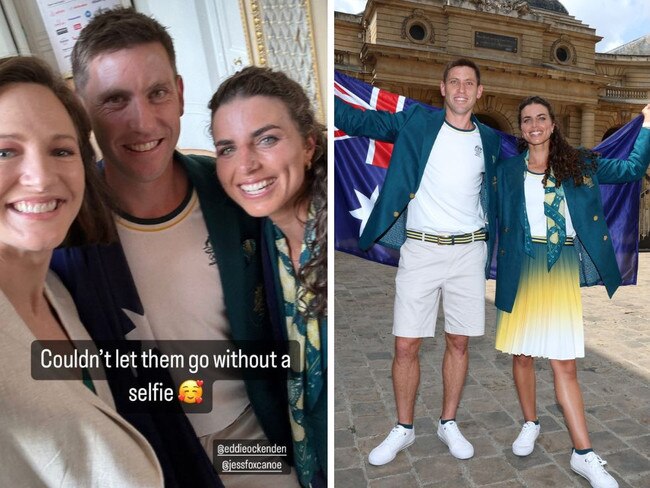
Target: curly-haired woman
[
  {"x": 553, "y": 238},
  {"x": 272, "y": 161}
]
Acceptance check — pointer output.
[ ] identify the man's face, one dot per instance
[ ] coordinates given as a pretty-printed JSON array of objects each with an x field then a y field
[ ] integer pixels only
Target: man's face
[
  {"x": 135, "y": 102},
  {"x": 461, "y": 90}
]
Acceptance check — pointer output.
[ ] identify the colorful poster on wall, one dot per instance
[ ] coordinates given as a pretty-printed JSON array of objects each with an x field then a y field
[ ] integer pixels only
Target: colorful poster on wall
[{"x": 64, "y": 20}]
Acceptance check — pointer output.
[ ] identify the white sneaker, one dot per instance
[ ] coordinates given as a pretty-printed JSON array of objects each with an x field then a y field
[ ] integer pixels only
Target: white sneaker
[
  {"x": 525, "y": 441},
  {"x": 459, "y": 447},
  {"x": 399, "y": 438},
  {"x": 590, "y": 466}
]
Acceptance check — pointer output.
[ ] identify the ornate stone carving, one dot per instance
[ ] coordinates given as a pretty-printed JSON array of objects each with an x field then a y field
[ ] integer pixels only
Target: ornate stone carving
[{"x": 502, "y": 6}]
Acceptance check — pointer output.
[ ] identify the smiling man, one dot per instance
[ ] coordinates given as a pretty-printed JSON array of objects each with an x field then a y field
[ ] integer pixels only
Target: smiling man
[
  {"x": 135, "y": 100},
  {"x": 441, "y": 171},
  {"x": 187, "y": 265}
]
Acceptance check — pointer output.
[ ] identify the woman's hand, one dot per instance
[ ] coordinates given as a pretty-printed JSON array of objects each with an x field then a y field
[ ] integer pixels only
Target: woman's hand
[{"x": 646, "y": 115}]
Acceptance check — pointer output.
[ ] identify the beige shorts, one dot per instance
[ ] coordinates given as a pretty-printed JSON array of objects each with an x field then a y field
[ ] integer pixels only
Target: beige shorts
[{"x": 428, "y": 271}]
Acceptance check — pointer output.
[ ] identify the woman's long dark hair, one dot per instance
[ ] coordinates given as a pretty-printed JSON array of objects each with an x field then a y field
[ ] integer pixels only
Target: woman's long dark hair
[
  {"x": 566, "y": 161},
  {"x": 253, "y": 81}
]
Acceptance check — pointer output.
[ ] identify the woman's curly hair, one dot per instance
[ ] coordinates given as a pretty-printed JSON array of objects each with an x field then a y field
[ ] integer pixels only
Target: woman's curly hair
[
  {"x": 253, "y": 81},
  {"x": 566, "y": 161}
]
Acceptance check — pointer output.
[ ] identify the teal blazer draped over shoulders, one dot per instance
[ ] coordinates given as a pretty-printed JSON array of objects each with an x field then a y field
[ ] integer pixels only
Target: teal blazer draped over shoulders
[
  {"x": 413, "y": 133},
  {"x": 593, "y": 242}
]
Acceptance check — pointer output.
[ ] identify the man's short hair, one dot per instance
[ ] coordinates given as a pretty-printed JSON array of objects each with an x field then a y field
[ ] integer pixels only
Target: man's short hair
[
  {"x": 454, "y": 63},
  {"x": 113, "y": 30}
]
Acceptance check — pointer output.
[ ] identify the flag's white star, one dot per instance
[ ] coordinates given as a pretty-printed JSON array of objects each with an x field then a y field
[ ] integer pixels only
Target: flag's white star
[
  {"x": 142, "y": 331},
  {"x": 363, "y": 213}
]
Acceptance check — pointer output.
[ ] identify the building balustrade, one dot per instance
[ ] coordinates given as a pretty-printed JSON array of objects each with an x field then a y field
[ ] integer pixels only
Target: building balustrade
[{"x": 626, "y": 94}]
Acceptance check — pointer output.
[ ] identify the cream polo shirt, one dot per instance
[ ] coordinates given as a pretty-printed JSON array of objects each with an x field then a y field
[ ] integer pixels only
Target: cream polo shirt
[{"x": 178, "y": 281}]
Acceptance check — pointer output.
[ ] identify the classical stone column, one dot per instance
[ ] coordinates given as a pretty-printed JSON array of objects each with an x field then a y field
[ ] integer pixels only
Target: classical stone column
[{"x": 587, "y": 126}]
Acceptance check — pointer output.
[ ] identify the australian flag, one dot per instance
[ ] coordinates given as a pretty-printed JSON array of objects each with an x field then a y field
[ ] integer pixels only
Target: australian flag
[{"x": 360, "y": 167}]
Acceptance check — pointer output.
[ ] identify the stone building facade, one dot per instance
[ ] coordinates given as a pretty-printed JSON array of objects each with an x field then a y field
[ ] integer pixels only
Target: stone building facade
[{"x": 523, "y": 48}]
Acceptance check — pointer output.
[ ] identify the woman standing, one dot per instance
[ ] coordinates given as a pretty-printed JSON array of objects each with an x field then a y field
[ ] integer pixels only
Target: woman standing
[
  {"x": 552, "y": 238},
  {"x": 52, "y": 433},
  {"x": 271, "y": 160}
]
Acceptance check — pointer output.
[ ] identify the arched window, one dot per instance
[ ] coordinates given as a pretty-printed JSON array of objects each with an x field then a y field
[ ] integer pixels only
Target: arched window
[{"x": 495, "y": 121}]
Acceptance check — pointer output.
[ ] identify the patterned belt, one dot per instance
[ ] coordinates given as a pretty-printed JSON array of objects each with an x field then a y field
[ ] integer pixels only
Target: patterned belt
[
  {"x": 479, "y": 235},
  {"x": 542, "y": 240}
]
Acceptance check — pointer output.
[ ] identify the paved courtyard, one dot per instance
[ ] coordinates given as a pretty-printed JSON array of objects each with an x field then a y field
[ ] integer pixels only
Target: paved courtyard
[{"x": 615, "y": 377}]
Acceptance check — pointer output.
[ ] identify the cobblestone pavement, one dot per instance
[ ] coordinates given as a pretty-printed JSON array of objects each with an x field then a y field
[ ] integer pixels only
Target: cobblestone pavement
[{"x": 615, "y": 379}]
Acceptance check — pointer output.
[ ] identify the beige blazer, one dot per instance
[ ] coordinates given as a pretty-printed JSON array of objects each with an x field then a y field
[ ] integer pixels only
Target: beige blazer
[{"x": 59, "y": 433}]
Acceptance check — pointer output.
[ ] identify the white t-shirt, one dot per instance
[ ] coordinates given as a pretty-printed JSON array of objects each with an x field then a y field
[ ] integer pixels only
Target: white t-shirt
[
  {"x": 447, "y": 201},
  {"x": 178, "y": 281},
  {"x": 534, "y": 194}
]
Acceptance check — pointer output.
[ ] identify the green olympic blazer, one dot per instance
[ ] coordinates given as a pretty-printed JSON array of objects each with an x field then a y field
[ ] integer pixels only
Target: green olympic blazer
[
  {"x": 413, "y": 133},
  {"x": 593, "y": 242}
]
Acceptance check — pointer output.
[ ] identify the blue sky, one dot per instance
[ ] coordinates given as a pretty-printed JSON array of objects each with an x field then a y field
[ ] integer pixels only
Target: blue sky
[{"x": 617, "y": 21}]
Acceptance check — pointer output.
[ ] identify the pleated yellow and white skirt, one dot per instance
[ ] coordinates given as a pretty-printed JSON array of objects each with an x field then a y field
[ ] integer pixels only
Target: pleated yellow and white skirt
[{"x": 546, "y": 319}]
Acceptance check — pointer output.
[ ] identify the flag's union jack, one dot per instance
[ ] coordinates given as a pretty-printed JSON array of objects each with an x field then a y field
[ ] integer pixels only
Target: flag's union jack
[{"x": 370, "y": 98}]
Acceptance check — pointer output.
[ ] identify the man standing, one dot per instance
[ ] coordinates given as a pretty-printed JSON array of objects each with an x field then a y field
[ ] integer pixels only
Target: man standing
[
  {"x": 441, "y": 171},
  {"x": 187, "y": 264}
]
